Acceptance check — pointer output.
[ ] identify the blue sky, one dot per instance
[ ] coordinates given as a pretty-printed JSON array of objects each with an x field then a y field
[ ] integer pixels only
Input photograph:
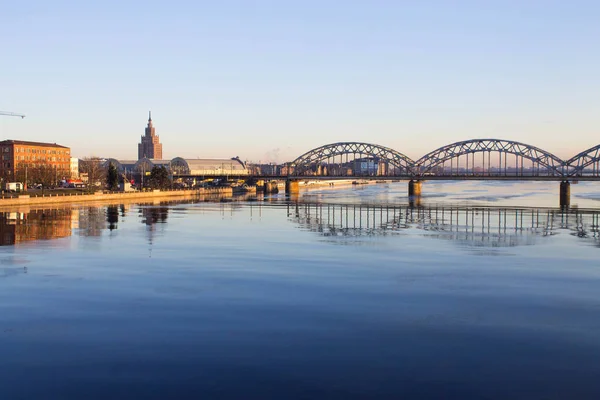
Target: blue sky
[{"x": 269, "y": 80}]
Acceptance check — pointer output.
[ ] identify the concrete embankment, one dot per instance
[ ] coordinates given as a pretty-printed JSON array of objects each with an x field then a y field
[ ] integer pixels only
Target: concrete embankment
[{"x": 108, "y": 197}]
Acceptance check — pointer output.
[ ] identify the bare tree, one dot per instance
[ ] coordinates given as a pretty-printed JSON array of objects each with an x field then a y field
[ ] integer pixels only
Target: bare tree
[
  {"x": 40, "y": 172},
  {"x": 95, "y": 169}
]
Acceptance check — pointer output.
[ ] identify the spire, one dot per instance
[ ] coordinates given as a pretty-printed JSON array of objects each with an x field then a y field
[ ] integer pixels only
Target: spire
[{"x": 149, "y": 116}]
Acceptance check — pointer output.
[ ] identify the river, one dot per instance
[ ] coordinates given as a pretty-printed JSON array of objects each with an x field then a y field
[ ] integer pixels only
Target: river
[{"x": 481, "y": 290}]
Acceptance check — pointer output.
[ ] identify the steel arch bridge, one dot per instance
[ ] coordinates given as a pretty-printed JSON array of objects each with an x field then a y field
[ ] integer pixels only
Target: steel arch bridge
[
  {"x": 543, "y": 162},
  {"x": 578, "y": 164},
  {"x": 311, "y": 161}
]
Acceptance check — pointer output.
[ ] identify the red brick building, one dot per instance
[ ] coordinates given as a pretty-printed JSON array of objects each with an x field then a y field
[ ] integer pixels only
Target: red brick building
[{"x": 15, "y": 155}]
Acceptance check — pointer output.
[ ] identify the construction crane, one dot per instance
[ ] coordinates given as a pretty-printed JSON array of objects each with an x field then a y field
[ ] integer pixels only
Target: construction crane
[{"x": 12, "y": 114}]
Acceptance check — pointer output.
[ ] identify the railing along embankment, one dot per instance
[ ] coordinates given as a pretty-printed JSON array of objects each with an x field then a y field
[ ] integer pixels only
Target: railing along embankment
[{"x": 56, "y": 198}]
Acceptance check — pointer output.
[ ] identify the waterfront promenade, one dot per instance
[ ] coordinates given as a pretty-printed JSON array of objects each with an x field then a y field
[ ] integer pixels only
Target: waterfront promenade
[{"x": 112, "y": 196}]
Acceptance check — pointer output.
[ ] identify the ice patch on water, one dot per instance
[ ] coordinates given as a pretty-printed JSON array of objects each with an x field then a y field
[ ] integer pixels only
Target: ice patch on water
[
  {"x": 435, "y": 195},
  {"x": 499, "y": 197},
  {"x": 589, "y": 196}
]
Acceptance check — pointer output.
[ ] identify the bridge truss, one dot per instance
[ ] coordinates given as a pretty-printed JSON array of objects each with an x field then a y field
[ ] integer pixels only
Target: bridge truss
[
  {"x": 469, "y": 159},
  {"x": 353, "y": 159},
  {"x": 582, "y": 161},
  {"x": 509, "y": 159}
]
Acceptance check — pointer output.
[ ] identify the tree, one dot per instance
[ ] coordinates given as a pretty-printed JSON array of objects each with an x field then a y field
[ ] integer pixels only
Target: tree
[
  {"x": 95, "y": 170},
  {"x": 112, "y": 177},
  {"x": 39, "y": 173},
  {"x": 159, "y": 178}
]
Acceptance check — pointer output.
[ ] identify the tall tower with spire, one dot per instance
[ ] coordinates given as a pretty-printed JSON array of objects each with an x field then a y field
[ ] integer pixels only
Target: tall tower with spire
[{"x": 150, "y": 146}]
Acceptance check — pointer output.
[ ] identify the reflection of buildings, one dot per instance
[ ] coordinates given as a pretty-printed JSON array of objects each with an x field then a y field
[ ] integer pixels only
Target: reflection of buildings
[
  {"x": 152, "y": 216},
  {"x": 91, "y": 221},
  {"x": 19, "y": 227}
]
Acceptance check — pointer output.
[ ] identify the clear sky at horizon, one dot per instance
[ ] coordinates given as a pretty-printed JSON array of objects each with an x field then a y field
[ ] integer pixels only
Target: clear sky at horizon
[{"x": 269, "y": 80}]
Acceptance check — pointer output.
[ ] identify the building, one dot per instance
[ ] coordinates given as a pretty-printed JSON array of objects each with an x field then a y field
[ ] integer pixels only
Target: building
[
  {"x": 150, "y": 146},
  {"x": 139, "y": 171},
  {"x": 36, "y": 161},
  {"x": 208, "y": 166},
  {"x": 74, "y": 168}
]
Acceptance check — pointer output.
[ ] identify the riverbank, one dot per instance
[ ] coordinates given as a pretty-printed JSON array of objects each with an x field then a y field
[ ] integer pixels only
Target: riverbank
[{"x": 71, "y": 198}]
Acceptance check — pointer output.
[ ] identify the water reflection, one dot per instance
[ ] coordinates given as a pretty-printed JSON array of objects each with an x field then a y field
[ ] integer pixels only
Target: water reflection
[
  {"x": 26, "y": 225},
  {"x": 112, "y": 217},
  {"x": 471, "y": 226},
  {"x": 92, "y": 220},
  {"x": 154, "y": 215},
  {"x": 477, "y": 226}
]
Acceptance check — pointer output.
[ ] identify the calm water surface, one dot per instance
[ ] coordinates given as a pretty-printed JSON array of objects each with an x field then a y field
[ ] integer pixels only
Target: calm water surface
[{"x": 480, "y": 291}]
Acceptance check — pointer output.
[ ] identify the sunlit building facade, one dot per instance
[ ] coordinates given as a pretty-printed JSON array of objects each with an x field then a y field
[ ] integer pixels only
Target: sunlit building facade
[
  {"x": 150, "y": 146},
  {"x": 17, "y": 154}
]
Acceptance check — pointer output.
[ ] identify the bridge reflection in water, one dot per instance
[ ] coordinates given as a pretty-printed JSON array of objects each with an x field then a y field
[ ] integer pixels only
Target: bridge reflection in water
[
  {"x": 478, "y": 226},
  {"x": 475, "y": 226}
]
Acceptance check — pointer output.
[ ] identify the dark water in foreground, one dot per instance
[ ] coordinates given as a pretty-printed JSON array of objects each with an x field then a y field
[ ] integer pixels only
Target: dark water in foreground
[{"x": 346, "y": 298}]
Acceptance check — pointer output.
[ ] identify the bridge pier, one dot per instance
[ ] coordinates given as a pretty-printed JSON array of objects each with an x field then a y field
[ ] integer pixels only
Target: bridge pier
[
  {"x": 270, "y": 187},
  {"x": 565, "y": 194},
  {"x": 292, "y": 186},
  {"x": 414, "y": 188}
]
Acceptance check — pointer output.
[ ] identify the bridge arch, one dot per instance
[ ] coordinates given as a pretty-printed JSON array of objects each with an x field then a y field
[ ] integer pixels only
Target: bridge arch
[
  {"x": 577, "y": 164},
  {"x": 542, "y": 163},
  {"x": 345, "y": 156}
]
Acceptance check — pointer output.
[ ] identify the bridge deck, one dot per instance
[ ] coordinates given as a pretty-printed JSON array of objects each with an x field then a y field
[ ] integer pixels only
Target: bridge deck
[{"x": 408, "y": 178}]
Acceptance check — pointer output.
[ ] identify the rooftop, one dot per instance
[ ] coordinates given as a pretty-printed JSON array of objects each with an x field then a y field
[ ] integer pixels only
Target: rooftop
[{"x": 26, "y": 143}]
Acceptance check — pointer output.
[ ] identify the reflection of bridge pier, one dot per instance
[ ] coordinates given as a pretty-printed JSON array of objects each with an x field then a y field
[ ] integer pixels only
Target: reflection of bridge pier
[{"x": 414, "y": 193}]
